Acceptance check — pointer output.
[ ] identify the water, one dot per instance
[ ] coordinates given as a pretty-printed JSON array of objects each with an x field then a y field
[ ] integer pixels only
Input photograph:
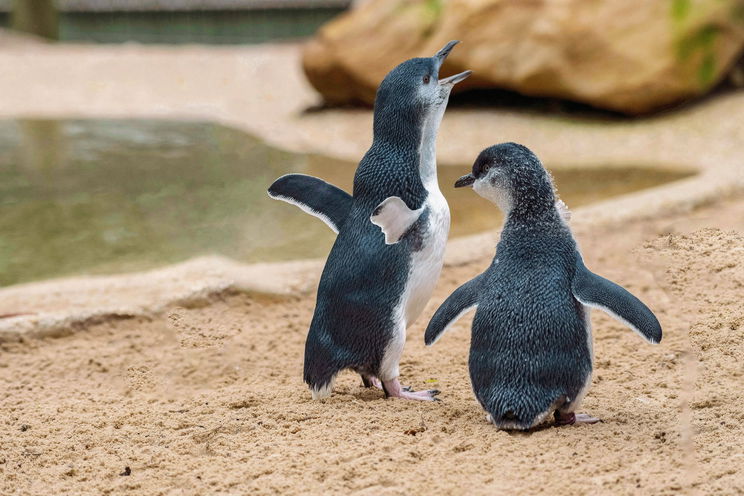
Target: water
[
  {"x": 108, "y": 196},
  {"x": 197, "y": 26}
]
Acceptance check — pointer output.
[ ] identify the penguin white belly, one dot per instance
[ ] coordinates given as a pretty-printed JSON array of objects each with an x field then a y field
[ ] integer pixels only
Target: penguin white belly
[{"x": 426, "y": 265}]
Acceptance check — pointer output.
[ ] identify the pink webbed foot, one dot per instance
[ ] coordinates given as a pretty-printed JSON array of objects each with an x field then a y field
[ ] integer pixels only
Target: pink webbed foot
[
  {"x": 583, "y": 418},
  {"x": 573, "y": 418},
  {"x": 393, "y": 389}
]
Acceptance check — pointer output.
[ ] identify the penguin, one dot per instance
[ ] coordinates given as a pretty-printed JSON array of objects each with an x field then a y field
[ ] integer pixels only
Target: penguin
[
  {"x": 392, "y": 231},
  {"x": 531, "y": 346}
]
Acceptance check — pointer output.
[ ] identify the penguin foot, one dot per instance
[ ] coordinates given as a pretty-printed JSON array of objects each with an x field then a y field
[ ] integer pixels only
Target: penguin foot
[
  {"x": 427, "y": 395},
  {"x": 583, "y": 418},
  {"x": 371, "y": 381},
  {"x": 393, "y": 389},
  {"x": 573, "y": 418}
]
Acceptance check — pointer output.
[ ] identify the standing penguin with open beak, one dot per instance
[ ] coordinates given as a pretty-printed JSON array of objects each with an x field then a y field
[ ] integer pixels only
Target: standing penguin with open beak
[
  {"x": 531, "y": 345},
  {"x": 375, "y": 284}
]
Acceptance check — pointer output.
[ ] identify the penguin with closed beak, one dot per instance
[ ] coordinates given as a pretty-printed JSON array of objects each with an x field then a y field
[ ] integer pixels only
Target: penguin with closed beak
[
  {"x": 391, "y": 235},
  {"x": 531, "y": 345}
]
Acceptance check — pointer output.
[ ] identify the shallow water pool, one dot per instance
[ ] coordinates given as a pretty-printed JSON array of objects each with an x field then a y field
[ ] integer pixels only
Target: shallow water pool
[{"x": 107, "y": 196}]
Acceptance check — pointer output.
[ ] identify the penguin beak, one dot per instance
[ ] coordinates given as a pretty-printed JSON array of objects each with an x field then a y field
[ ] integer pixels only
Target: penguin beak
[
  {"x": 466, "y": 180},
  {"x": 453, "y": 80},
  {"x": 440, "y": 56}
]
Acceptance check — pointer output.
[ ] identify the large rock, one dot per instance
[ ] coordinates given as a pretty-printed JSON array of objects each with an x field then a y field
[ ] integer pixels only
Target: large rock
[{"x": 632, "y": 56}]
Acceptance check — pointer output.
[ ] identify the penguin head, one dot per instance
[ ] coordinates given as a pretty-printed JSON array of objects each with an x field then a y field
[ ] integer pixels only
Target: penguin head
[
  {"x": 412, "y": 92},
  {"x": 512, "y": 177}
]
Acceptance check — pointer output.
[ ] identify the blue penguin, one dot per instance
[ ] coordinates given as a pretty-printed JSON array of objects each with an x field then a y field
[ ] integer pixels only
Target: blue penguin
[
  {"x": 531, "y": 346},
  {"x": 392, "y": 232}
]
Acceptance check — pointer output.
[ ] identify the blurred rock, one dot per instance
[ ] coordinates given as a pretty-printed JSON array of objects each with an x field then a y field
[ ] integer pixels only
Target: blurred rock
[
  {"x": 632, "y": 56},
  {"x": 736, "y": 76}
]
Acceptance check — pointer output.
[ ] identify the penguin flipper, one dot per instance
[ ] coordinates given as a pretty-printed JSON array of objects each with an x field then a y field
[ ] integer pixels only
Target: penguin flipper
[
  {"x": 394, "y": 218},
  {"x": 314, "y": 196},
  {"x": 464, "y": 299},
  {"x": 597, "y": 292}
]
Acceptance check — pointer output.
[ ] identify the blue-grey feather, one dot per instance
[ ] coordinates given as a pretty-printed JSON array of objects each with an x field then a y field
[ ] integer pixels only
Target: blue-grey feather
[
  {"x": 460, "y": 300},
  {"x": 531, "y": 344},
  {"x": 317, "y": 195},
  {"x": 364, "y": 278},
  {"x": 592, "y": 289}
]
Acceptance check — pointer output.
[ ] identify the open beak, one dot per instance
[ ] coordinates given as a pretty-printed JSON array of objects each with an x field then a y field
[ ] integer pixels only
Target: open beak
[
  {"x": 466, "y": 180},
  {"x": 452, "y": 80},
  {"x": 441, "y": 55}
]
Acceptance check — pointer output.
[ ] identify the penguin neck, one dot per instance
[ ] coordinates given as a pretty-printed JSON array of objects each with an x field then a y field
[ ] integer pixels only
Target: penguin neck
[
  {"x": 408, "y": 132},
  {"x": 397, "y": 128},
  {"x": 427, "y": 151},
  {"x": 532, "y": 197},
  {"x": 531, "y": 212}
]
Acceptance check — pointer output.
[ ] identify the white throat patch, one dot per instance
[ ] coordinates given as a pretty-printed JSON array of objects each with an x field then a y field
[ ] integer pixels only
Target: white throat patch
[
  {"x": 494, "y": 193},
  {"x": 428, "y": 145}
]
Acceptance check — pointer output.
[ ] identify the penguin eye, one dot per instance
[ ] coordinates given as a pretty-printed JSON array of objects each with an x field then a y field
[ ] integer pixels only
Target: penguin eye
[
  {"x": 426, "y": 79},
  {"x": 486, "y": 168}
]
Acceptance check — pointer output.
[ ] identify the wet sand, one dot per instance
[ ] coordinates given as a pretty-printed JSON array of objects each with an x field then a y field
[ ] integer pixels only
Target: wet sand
[{"x": 209, "y": 399}]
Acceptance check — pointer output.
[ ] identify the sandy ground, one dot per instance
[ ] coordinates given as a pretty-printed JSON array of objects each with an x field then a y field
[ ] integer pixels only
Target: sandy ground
[{"x": 209, "y": 399}]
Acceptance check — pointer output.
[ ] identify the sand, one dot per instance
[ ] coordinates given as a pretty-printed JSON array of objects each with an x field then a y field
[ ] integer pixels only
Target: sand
[{"x": 209, "y": 399}]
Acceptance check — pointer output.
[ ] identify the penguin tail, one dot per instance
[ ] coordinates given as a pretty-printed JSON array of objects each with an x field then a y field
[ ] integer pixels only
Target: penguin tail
[
  {"x": 320, "y": 371},
  {"x": 510, "y": 420},
  {"x": 321, "y": 386},
  {"x": 513, "y": 416},
  {"x": 321, "y": 391}
]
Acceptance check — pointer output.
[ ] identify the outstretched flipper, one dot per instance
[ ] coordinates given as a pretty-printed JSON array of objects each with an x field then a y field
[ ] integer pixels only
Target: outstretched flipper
[
  {"x": 394, "y": 218},
  {"x": 596, "y": 291},
  {"x": 455, "y": 306},
  {"x": 314, "y": 196}
]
